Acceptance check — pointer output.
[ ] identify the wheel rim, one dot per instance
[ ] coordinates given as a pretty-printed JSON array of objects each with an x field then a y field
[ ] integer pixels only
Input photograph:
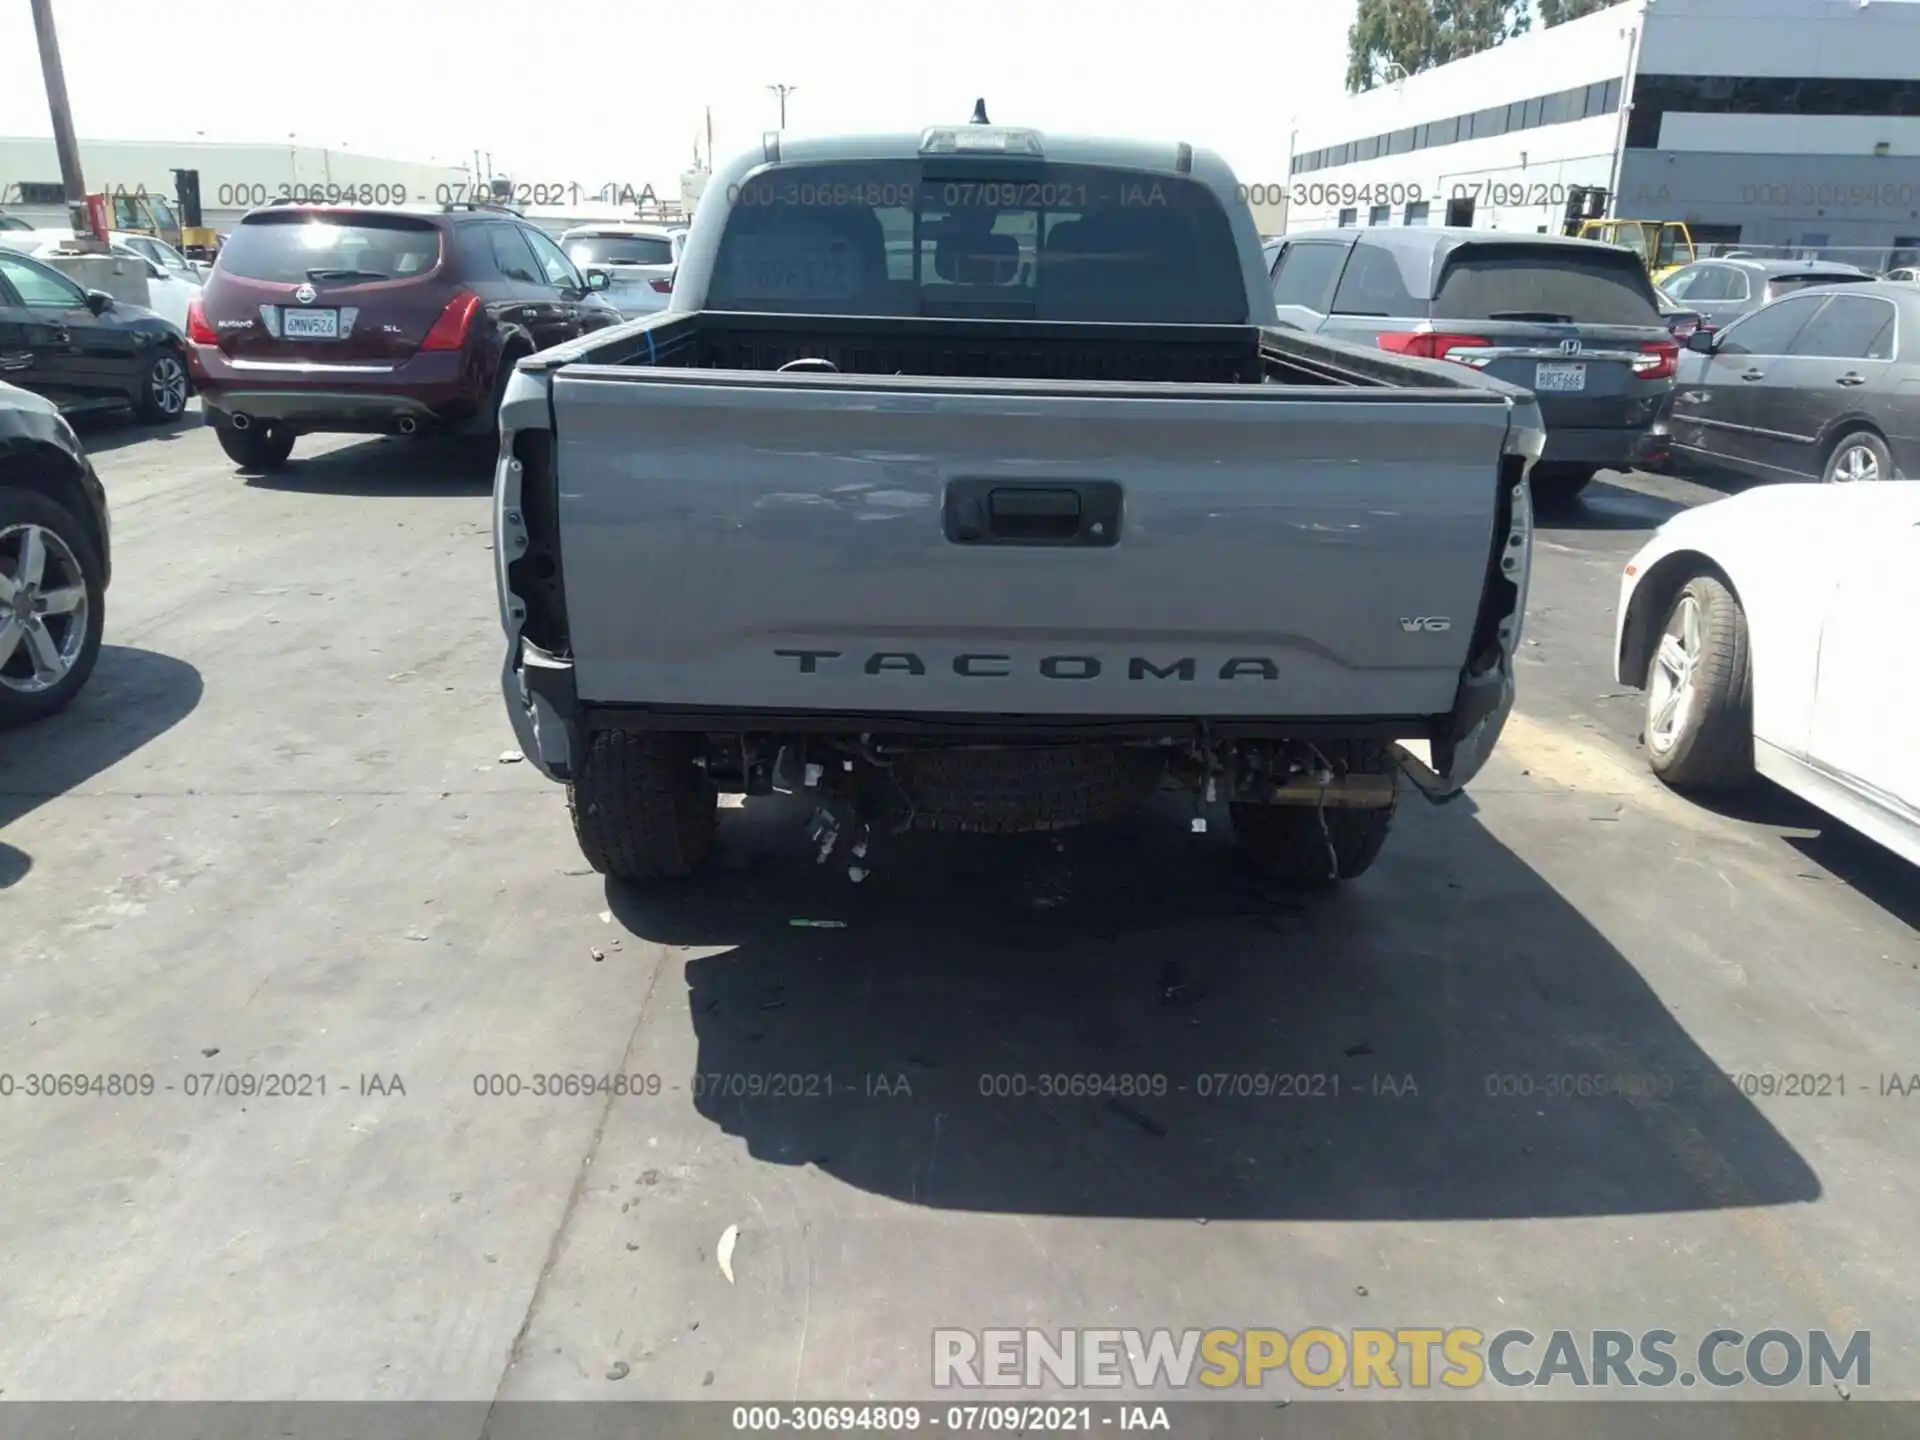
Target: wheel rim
[
  {"x": 1671, "y": 688},
  {"x": 1857, "y": 464},
  {"x": 168, "y": 381},
  {"x": 43, "y": 609}
]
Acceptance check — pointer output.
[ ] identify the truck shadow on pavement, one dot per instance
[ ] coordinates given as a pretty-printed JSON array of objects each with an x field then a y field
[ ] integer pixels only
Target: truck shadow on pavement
[
  {"x": 133, "y": 697},
  {"x": 1123, "y": 1022},
  {"x": 394, "y": 467}
]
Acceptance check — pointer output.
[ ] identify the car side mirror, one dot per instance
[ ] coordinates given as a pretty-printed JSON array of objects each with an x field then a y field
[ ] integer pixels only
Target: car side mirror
[
  {"x": 99, "y": 301},
  {"x": 1704, "y": 342},
  {"x": 598, "y": 279}
]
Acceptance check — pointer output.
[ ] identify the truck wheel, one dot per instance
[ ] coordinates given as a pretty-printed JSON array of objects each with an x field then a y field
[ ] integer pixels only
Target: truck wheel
[
  {"x": 642, "y": 810},
  {"x": 256, "y": 449},
  {"x": 1558, "y": 484},
  {"x": 52, "y": 607},
  {"x": 1699, "y": 726}
]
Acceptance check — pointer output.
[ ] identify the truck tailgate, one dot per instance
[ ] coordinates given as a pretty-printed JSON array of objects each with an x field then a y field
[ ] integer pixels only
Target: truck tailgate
[{"x": 790, "y": 544}]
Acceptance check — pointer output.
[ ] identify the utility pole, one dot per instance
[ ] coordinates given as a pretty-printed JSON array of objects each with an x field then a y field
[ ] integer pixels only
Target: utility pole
[
  {"x": 72, "y": 182},
  {"x": 783, "y": 91}
]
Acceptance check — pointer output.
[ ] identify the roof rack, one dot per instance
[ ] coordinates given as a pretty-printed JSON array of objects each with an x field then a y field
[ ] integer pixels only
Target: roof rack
[{"x": 494, "y": 206}]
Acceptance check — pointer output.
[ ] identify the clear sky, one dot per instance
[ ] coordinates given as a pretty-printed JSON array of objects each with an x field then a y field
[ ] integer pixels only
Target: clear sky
[{"x": 584, "y": 91}]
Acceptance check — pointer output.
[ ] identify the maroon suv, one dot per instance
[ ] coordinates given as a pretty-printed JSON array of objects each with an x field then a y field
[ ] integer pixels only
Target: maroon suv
[{"x": 364, "y": 320}]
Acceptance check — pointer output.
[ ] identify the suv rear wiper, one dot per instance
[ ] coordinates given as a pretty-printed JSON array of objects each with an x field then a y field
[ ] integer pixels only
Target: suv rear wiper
[
  {"x": 347, "y": 275},
  {"x": 1544, "y": 315}
]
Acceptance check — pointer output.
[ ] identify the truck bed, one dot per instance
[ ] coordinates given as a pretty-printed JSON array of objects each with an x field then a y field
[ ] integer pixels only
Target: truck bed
[
  {"x": 1008, "y": 523},
  {"x": 991, "y": 349}
]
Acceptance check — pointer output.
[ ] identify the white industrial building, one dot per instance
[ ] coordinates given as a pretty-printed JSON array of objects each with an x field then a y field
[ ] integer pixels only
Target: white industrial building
[{"x": 1769, "y": 125}]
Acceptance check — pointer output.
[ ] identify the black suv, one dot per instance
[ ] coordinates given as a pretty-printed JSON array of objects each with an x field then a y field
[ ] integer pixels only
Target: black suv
[
  {"x": 54, "y": 559},
  {"x": 372, "y": 320}
]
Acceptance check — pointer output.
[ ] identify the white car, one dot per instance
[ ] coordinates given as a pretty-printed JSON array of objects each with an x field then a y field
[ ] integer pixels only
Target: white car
[
  {"x": 640, "y": 258},
  {"x": 1773, "y": 633}
]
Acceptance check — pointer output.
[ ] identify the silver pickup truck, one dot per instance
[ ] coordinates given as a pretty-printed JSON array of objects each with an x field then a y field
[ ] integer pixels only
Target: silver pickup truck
[{"x": 969, "y": 483}]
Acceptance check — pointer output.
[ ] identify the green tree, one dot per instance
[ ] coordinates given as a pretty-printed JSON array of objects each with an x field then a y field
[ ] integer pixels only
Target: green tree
[
  {"x": 1558, "y": 12},
  {"x": 1388, "y": 36}
]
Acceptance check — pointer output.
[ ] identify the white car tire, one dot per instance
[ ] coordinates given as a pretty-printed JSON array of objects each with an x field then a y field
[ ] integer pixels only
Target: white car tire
[{"x": 1699, "y": 687}]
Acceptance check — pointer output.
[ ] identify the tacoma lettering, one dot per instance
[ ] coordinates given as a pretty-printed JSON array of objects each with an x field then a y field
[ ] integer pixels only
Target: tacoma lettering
[{"x": 985, "y": 666}]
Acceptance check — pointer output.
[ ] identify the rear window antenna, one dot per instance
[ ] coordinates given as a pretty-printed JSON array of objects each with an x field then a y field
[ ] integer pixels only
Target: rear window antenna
[{"x": 980, "y": 113}]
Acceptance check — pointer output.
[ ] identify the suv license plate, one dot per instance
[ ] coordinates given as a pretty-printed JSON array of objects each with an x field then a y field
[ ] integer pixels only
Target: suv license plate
[
  {"x": 325, "y": 325},
  {"x": 1559, "y": 377}
]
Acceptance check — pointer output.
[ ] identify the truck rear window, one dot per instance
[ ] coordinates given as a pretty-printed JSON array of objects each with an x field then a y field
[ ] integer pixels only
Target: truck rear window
[
  {"x": 1586, "y": 285},
  {"x": 292, "y": 246},
  {"x": 978, "y": 239}
]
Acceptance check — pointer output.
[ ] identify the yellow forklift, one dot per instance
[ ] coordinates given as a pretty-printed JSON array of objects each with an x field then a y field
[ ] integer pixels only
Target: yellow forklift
[
  {"x": 141, "y": 213},
  {"x": 1663, "y": 245}
]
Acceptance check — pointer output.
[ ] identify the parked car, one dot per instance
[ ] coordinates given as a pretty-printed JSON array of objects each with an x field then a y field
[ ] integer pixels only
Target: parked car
[
  {"x": 1908, "y": 274},
  {"x": 1725, "y": 289},
  {"x": 82, "y": 348},
  {"x": 55, "y": 559},
  {"x": 1576, "y": 322},
  {"x": 168, "y": 293},
  {"x": 639, "y": 258},
  {"x": 177, "y": 265},
  {"x": 1772, "y": 635},
  {"x": 1822, "y": 385},
  {"x": 1166, "y": 539},
  {"x": 370, "y": 321}
]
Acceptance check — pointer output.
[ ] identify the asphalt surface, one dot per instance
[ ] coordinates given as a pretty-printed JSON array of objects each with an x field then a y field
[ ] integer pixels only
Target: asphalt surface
[{"x": 277, "y": 837}]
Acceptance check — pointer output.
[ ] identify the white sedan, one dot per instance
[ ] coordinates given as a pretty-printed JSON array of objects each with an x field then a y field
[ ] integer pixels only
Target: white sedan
[{"x": 1773, "y": 633}]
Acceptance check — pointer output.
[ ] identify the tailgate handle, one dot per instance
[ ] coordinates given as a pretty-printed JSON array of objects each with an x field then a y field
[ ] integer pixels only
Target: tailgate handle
[{"x": 981, "y": 511}]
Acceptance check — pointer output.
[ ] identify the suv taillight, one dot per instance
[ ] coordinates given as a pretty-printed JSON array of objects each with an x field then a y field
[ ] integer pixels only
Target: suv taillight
[
  {"x": 449, "y": 332},
  {"x": 1431, "y": 344},
  {"x": 198, "y": 330},
  {"x": 1657, "y": 363},
  {"x": 664, "y": 287}
]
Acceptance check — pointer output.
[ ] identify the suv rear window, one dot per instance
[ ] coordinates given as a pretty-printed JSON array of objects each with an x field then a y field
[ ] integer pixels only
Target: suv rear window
[
  {"x": 1583, "y": 285},
  {"x": 1787, "y": 284},
  {"x": 620, "y": 250},
  {"x": 292, "y": 246},
  {"x": 977, "y": 239}
]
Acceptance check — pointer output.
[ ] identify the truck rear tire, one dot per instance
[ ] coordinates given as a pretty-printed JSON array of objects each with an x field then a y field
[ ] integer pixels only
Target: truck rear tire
[
  {"x": 1287, "y": 843},
  {"x": 642, "y": 810}
]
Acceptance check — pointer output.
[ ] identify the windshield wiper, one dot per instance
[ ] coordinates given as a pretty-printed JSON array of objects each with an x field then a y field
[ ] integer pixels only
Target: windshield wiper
[
  {"x": 1543, "y": 315},
  {"x": 346, "y": 275}
]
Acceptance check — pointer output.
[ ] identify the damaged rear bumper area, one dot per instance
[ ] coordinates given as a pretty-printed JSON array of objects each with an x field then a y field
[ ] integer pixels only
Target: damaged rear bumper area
[{"x": 747, "y": 750}]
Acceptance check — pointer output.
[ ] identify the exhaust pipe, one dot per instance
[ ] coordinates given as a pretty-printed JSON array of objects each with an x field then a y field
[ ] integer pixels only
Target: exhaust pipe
[
  {"x": 242, "y": 422},
  {"x": 408, "y": 425}
]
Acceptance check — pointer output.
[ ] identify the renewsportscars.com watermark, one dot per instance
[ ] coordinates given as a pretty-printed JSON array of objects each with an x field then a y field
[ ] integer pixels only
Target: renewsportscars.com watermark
[{"x": 1412, "y": 1358}]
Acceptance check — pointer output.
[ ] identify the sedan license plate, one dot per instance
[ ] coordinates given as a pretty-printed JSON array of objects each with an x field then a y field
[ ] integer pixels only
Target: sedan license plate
[
  {"x": 318, "y": 325},
  {"x": 1559, "y": 377}
]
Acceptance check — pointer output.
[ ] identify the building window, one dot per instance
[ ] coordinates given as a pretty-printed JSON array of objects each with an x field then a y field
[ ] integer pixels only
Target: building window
[
  {"x": 1417, "y": 213},
  {"x": 42, "y": 192},
  {"x": 1460, "y": 212},
  {"x": 1348, "y": 216},
  {"x": 1380, "y": 215}
]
